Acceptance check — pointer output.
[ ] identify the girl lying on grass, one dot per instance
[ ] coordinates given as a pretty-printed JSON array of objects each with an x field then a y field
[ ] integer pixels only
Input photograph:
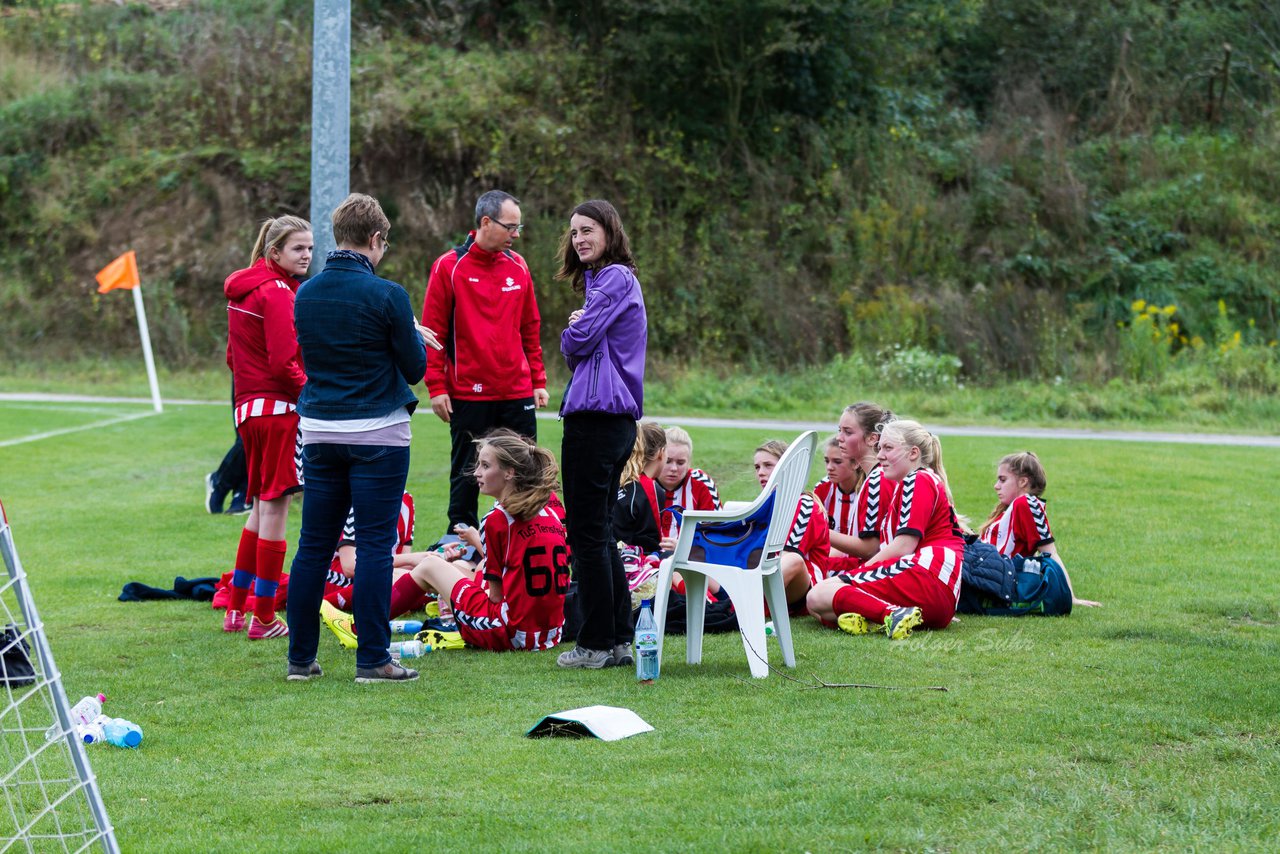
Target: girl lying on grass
[{"x": 913, "y": 580}]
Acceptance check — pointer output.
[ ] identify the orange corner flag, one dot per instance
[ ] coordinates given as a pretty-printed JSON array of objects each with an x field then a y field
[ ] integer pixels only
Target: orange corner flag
[{"x": 120, "y": 273}]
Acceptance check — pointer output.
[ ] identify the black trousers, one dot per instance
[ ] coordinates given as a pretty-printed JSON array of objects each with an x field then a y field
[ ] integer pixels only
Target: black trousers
[
  {"x": 596, "y": 447},
  {"x": 471, "y": 419}
]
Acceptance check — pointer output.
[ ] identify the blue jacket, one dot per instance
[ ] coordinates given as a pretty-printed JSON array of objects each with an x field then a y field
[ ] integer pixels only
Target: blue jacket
[
  {"x": 605, "y": 348},
  {"x": 359, "y": 344}
]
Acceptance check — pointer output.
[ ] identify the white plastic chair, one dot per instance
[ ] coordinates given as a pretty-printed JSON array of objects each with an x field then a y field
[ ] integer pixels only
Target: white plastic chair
[{"x": 748, "y": 587}]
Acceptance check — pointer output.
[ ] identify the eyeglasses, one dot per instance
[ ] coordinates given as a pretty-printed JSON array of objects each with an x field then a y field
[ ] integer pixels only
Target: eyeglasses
[
  {"x": 514, "y": 229},
  {"x": 386, "y": 244}
]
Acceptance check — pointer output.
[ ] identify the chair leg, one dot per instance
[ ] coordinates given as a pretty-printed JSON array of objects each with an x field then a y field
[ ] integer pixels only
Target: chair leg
[
  {"x": 660, "y": 599},
  {"x": 695, "y": 609},
  {"x": 748, "y": 604},
  {"x": 775, "y": 593}
]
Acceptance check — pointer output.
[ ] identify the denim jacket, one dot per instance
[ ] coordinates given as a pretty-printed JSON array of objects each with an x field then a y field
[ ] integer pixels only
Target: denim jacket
[
  {"x": 606, "y": 347},
  {"x": 359, "y": 344}
]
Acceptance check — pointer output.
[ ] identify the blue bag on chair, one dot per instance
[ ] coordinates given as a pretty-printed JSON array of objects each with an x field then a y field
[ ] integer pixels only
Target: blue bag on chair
[{"x": 737, "y": 543}]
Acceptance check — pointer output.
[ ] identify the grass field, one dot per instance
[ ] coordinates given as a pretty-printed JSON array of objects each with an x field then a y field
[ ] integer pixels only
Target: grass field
[{"x": 1151, "y": 723}]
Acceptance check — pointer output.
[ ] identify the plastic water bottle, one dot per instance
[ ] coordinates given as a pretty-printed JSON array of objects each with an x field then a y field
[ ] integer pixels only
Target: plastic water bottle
[
  {"x": 91, "y": 733},
  {"x": 408, "y": 649},
  {"x": 122, "y": 733},
  {"x": 82, "y": 713},
  {"x": 406, "y": 627},
  {"x": 646, "y": 645},
  {"x": 768, "y": 629}
]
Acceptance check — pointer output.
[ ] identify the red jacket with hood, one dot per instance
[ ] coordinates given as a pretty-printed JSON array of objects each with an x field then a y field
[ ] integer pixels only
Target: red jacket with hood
[{"x": 262, "y": 344}]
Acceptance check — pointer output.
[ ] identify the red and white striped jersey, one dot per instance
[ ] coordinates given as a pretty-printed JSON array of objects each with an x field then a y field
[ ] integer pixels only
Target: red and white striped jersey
[
  {"x": 810, "y": 536},
  {"x": 698, "y": 492},
  {"x": 531, "y": 560},
  {"x": 1022, "y": 530},
  {"x": 841, "y": 506},
  {"x": 404, "y": 539},
  {"x": 258, "y": 406},
  {"x": 924, "y": 510},
  {"x": 877, "y": 498}
]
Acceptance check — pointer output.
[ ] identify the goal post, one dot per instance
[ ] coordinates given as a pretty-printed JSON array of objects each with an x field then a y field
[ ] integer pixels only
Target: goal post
[{"x": 49, "y": 797}]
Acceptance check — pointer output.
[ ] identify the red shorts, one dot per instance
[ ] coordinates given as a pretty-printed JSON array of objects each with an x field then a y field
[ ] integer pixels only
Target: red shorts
[
  {"x": 873, "y": 594},
  {"x": 271, "y": 452},
  {"x": 482, "y": 622}
]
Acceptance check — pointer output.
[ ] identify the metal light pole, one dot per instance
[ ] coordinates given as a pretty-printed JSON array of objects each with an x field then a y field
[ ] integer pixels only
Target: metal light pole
[{"x": 330, "y": 119}]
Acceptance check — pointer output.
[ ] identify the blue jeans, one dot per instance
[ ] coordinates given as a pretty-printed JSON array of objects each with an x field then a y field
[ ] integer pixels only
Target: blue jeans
[{"x": 369, "y": 479}]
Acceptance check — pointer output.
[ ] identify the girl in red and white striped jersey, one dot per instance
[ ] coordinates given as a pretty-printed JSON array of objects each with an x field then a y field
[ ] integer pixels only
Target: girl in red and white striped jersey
[
  {"x": 838, "y": 491},
  {"x": 859, "y": 435},
  {"x": 679, "y": 485},
  {"x": 914, "y": 579},
  {"x": 1019, "y": 524},
  {"x": 262, "y": 352},
  {"x": 808, "y": 546},
  {"x": 516, "y": 598}
]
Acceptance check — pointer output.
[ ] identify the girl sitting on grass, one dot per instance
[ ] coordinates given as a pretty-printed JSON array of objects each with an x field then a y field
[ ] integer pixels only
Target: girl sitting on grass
[
  {"x": 516, "y": 598},
  {"x": 1019, "y": 525},
  {"x": 914, "y": 580},
  {"x": 637, "y": 519},
  {"x": 804, "y": 556},
  {"x": 870, "y": 528}
]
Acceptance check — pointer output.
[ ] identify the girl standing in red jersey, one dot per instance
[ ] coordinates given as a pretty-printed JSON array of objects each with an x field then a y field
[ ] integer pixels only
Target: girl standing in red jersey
[
  {"x": 913, "y": 580},
  {"x": 1019, "y": 524},
  {"x": 262, "y": 352},
  {"x": 516, "y": 598}
]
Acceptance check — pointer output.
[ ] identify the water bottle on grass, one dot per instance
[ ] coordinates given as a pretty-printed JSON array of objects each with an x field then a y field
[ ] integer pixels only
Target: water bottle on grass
[
  {"x": 122, "y": 733},
  {"x": 82, "y": 713},
  {"x": 406, "y": 627},
  {"x": 646, "y": 645},
  {"x": 408, "y": 649}
]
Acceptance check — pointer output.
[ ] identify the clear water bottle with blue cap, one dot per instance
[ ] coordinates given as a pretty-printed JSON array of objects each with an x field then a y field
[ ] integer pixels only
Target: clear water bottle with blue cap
[{"x": 646, "y": 644}]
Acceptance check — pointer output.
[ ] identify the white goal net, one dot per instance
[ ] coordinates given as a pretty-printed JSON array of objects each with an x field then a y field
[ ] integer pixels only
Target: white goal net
[{"x": 49, "y": 799}]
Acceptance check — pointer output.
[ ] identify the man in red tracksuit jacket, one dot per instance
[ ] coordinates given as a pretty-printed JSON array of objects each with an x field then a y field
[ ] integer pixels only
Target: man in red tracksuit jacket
[{"x": 481, "y": 303}]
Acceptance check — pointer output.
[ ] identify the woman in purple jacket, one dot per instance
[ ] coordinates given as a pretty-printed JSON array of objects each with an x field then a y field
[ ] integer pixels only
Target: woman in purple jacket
[{"x": 604, "y": 346}]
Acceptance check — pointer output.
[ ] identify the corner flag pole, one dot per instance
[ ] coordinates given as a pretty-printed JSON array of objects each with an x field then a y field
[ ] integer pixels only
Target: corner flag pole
[
  {"x": 123, "y": 273},
  {"x": 145, "y": 334}
]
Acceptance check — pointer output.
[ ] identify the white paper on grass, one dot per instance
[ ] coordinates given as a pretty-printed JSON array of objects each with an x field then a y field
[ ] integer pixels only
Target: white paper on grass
[{"x": 608, "y": 723}]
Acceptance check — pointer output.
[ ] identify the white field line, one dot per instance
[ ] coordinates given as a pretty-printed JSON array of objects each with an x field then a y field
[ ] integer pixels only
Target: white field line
[
  {"x": 92, "y": 426},
  {"x": 1202, "y": 437}
]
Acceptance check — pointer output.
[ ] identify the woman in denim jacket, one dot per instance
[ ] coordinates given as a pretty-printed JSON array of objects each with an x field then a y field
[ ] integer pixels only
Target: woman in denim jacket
[
  {"x": 604, "y": 346},
  {"x": 364, "y": 347}
]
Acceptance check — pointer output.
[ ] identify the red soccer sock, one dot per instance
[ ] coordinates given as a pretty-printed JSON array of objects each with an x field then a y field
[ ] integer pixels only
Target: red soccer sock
[
  {"x": 406, "y": 596},
  {"x": 245, "y": 570},
  {"x": 270, "y": 565}
]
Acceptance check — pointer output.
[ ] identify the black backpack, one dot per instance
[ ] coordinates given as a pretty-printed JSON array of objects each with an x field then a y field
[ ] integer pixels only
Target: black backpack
[{"x": 15, "y": 658}]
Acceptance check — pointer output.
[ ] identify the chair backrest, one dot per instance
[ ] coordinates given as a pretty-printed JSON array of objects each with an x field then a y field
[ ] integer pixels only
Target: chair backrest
[
  {"x": 787, "y": 482},
  {"x": 755, "y": 541}
]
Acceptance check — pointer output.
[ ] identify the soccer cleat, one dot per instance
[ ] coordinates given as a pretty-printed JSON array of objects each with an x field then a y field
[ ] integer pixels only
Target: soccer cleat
[
  {"x": 587, "y": 659},
  {"x": 214, "y": 495},
  {"x": 389, "y": 672},
  {"x": 301, "y": 673},
  {"x": 437, "y": 640},
  {"x": 901, "y": 621},
  {"x": 233, "y": 621},
  {"x": 854, "y": 624},
  {"x": 340, "y": 623},
  {"x": 239, "y": 504},
  {"x": 259, "y": 630},
  {"x": 621, "y": 656}
]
